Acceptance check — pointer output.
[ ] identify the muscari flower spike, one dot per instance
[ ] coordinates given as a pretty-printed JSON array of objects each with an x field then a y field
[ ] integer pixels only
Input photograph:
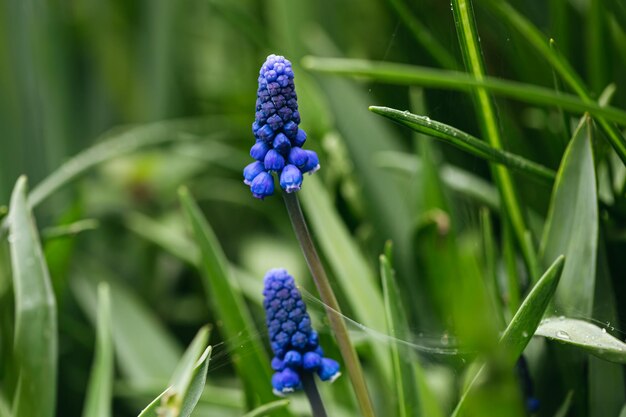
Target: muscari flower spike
[
  {"x": 279, "y": 141},
  {"x": 294, "y": 343}
]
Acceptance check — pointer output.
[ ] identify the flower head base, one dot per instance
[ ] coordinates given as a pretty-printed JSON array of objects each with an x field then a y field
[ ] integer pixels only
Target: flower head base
[
  {"x": 279, "y": 141},
  {"x": 294, "y": 343}
]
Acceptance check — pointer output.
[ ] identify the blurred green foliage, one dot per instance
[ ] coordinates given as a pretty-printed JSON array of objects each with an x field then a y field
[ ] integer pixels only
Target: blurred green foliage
[{"x": 109, "y": 107}]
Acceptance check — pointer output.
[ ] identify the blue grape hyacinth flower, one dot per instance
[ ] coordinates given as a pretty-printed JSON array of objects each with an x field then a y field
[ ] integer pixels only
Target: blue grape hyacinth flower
[
  {"x": 294, "y": 342},
  {"x": 279, "y": 140}
]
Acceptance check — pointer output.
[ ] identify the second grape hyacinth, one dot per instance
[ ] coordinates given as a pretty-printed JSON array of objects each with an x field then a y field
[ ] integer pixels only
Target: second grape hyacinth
[
  {"x": 293, "y": 341},
  {"x": 279, "y": 140}
]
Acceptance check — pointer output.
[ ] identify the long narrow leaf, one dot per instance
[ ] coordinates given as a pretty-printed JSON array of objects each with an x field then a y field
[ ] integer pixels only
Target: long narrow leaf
[
  {"x": 403, "y": 74},
  {"x": 521, "y": 328},
  {"x": 465, "y": 142},
  {"x": 99, "y": 390},
  {"x": 35, "y": 343},
  {"x": 574, "y": 203},
  {"x": 469, "y": 42},
  {"x": 584, "y": 335},
  {"x": 251, "y": 361}
]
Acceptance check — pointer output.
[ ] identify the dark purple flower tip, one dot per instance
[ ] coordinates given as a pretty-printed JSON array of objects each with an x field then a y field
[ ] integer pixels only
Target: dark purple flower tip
[
  {"x": 274, "y": 161},
  {"x": 290, "y": 128},
  {"x": 255, "y": 127},
  {"x": 312, "y": 164},
  {"x": 281, "y": 143},
  {"x": 293, "y": 359},
  {"x": 300, "y": 138},
  {"x": 265, "y": 133},
  {"x": 278, "y": 364},
  {"x": 259, "y": 150},
  {"x": 251, "y": 171},
  {"x": 262, "y": 186},
  {"x": 311, "y": 361},
  {"x": 291, "y": 179},
  {"x": 329, "y": 370},
  {"x": 298, "y": 157},
  {"x": 275, "y": 122},
  {"x": 299, "y": 340}
]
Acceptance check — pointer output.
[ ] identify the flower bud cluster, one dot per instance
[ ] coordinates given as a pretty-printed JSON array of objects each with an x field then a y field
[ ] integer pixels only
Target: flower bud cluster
[
  {"x": 294, "y": 343},
  {"x": 279, "y": 141}
]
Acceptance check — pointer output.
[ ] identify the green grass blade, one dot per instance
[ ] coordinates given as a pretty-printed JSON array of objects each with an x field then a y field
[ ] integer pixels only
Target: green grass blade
[
  {"x": 565, "y": 70},
  {"x": 472, "y": 55},
  {"x": 124, "y": 143},
  {"x": 99, "y": 390},
  {"x": 528, "y": 316},
  {"x": 403, "y": 377},
  {"x": 180, "y": 399},
  {"x": 403, "y": 74},
  {"x": 414, "y": 394},
  {"x": 267, "y": 409},
  {"x": 251, "y": 361},
  {"x": 584, "y": 335},
  {"x": 466, "y": 142},
  {"x": 346, "y": 262},
  {"x": 35, "y": 343},
  {"x": 574, "y": 202},
  {"x": 184, "y": 372},
  {"x": 520, "y": 330}
]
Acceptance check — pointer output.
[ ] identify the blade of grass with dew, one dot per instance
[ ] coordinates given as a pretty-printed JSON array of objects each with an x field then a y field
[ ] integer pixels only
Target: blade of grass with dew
[
  {"x": 195, "y": 375},
  {"x": 267, "y": 409},
  {"x": 100, "y": 387},
  {"x": 583, "y": 335},
  {"x": 538, "y": 41},
  {"x": 403, "y": 74},
  {"x": 135, "y": 328},
  {"x": 472, "y": 55},
  {"x": 520, "y": 330},
  {"x": 466, "y": 142},
  {"x": 574, "y": 203},
  {"x": 456, "y": 179},
  {"x": 35, "y": 340},
  {"x": 116, "y": 145},
  {"x": 346, "y": 262},
  {"x": 252, "y": 363}
]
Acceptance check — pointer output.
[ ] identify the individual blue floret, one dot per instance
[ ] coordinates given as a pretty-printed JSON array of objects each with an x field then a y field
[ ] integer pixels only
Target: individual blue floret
[
  {"x": 262, "y": 186},
  {"x": 294, "y": 343},
  {"x": 291, "y": 179},
  {"x": 279, "y": 140}
]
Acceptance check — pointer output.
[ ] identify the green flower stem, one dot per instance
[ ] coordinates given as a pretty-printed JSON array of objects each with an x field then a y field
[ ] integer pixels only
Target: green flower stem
[
  {"x": 317, "y": 406},
  {"x": 327, "y": 295}
]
